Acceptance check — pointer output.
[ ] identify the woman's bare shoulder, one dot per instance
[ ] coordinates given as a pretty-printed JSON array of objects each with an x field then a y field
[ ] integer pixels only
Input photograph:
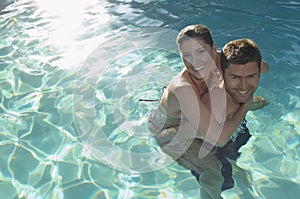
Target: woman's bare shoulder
[
  {"x": 170, "y": 97},
  {"x": 179, "y": 82}
]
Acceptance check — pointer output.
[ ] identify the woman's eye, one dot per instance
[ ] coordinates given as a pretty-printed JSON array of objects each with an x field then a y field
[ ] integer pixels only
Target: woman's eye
[
  {"x": 186, "y": 57},
  {"x": 200, "y": 51}
]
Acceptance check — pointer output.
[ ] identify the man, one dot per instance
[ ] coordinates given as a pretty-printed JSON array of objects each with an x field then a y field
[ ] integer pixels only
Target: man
[{"x": 240, "y": 65}]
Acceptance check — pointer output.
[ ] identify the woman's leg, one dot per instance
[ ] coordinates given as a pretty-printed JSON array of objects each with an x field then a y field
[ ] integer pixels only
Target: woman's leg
[{"x": 186, "y": 154}]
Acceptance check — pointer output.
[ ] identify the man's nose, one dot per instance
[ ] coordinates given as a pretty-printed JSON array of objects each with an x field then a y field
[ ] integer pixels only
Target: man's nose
[{"x": 244, "y": 84}]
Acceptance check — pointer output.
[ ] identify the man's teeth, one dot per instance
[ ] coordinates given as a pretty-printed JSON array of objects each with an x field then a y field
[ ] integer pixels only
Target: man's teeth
[
  {"x": 199, "y": 67},
  {"x": 243, "y": 92}
]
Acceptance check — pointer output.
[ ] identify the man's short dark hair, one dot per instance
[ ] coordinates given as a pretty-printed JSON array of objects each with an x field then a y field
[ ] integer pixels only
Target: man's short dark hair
[{"x": 240, "y": 51}]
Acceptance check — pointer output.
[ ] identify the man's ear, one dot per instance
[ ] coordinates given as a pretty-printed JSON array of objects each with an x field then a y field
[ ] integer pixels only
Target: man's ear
[{"x": 214, "y": 48}]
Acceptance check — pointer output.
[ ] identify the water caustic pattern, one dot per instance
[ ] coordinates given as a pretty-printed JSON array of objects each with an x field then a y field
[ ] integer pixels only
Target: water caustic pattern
[
  {"x": 44, "y": 154},
  {"x": 72, "y": 125}
]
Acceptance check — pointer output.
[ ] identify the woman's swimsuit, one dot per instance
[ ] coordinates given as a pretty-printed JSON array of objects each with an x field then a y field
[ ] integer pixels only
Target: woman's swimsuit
[{"x": 200, "y": 93}]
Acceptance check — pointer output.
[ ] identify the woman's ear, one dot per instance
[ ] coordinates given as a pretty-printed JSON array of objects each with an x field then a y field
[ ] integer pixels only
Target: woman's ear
[{"x": 217, "y": 55}]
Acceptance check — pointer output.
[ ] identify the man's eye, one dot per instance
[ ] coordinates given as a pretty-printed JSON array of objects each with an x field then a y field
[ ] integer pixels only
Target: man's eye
[{"x": 251, "y": 76}]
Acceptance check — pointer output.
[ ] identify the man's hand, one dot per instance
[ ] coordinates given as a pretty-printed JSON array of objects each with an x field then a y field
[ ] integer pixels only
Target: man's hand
[{"x": 258, "y": 102}]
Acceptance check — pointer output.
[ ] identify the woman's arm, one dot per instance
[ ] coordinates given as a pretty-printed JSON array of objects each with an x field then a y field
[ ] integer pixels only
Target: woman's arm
[{"x": 203, "y": 121}]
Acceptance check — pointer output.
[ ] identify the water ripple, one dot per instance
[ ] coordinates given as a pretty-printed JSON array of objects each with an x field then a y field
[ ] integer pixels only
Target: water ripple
[{"x": 41, "y": 49}]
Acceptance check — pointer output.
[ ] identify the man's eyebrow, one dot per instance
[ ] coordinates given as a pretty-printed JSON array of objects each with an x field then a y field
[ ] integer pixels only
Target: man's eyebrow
[
  {"x": 233, "y": 74},
  {"x": 256, "y": 73}
]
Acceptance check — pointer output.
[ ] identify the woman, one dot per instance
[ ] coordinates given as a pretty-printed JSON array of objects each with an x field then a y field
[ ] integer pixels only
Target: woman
[{"x": 182, "y": 114}]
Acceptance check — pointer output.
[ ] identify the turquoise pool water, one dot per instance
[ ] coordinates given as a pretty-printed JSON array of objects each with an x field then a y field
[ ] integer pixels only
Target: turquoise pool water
[{"x": 72, "y": 74}]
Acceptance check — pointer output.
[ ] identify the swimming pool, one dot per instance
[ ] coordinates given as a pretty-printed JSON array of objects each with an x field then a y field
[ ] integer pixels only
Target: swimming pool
[{"x": 72, "y": 74}]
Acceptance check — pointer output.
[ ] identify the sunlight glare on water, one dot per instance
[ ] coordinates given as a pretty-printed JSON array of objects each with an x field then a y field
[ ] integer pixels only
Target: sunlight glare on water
[{"x": 68, "y": 22}]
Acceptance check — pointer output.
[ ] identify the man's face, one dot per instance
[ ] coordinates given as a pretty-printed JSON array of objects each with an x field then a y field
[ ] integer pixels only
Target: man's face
[{"x": 241, "y": 81}]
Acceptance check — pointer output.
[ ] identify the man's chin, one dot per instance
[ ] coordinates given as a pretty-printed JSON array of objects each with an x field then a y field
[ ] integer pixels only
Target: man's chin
[{"x": 243, "y": 100}]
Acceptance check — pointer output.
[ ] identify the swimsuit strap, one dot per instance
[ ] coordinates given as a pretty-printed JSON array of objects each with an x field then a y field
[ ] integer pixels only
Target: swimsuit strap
[{"x": 196, "y": 85}]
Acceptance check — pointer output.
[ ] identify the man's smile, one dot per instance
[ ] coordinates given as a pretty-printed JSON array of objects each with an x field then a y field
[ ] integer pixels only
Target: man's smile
[{"x": 243, "y": 91}]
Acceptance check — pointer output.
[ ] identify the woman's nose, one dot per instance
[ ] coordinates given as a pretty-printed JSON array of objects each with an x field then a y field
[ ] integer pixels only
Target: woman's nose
[{"x": 195, "y": 60}]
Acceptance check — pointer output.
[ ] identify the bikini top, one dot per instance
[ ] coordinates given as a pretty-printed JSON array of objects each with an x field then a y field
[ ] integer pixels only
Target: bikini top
[{"x": 199, "y": 91}]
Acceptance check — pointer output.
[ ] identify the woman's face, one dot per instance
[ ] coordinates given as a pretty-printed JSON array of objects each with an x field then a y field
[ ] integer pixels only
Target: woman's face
[{"x": 198, "y": 58}]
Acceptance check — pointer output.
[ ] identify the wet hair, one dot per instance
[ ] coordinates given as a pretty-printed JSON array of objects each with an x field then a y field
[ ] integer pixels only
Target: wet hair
[
  {"x": 240, "y": 51},
  {"x": 195, "y": 31}
]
